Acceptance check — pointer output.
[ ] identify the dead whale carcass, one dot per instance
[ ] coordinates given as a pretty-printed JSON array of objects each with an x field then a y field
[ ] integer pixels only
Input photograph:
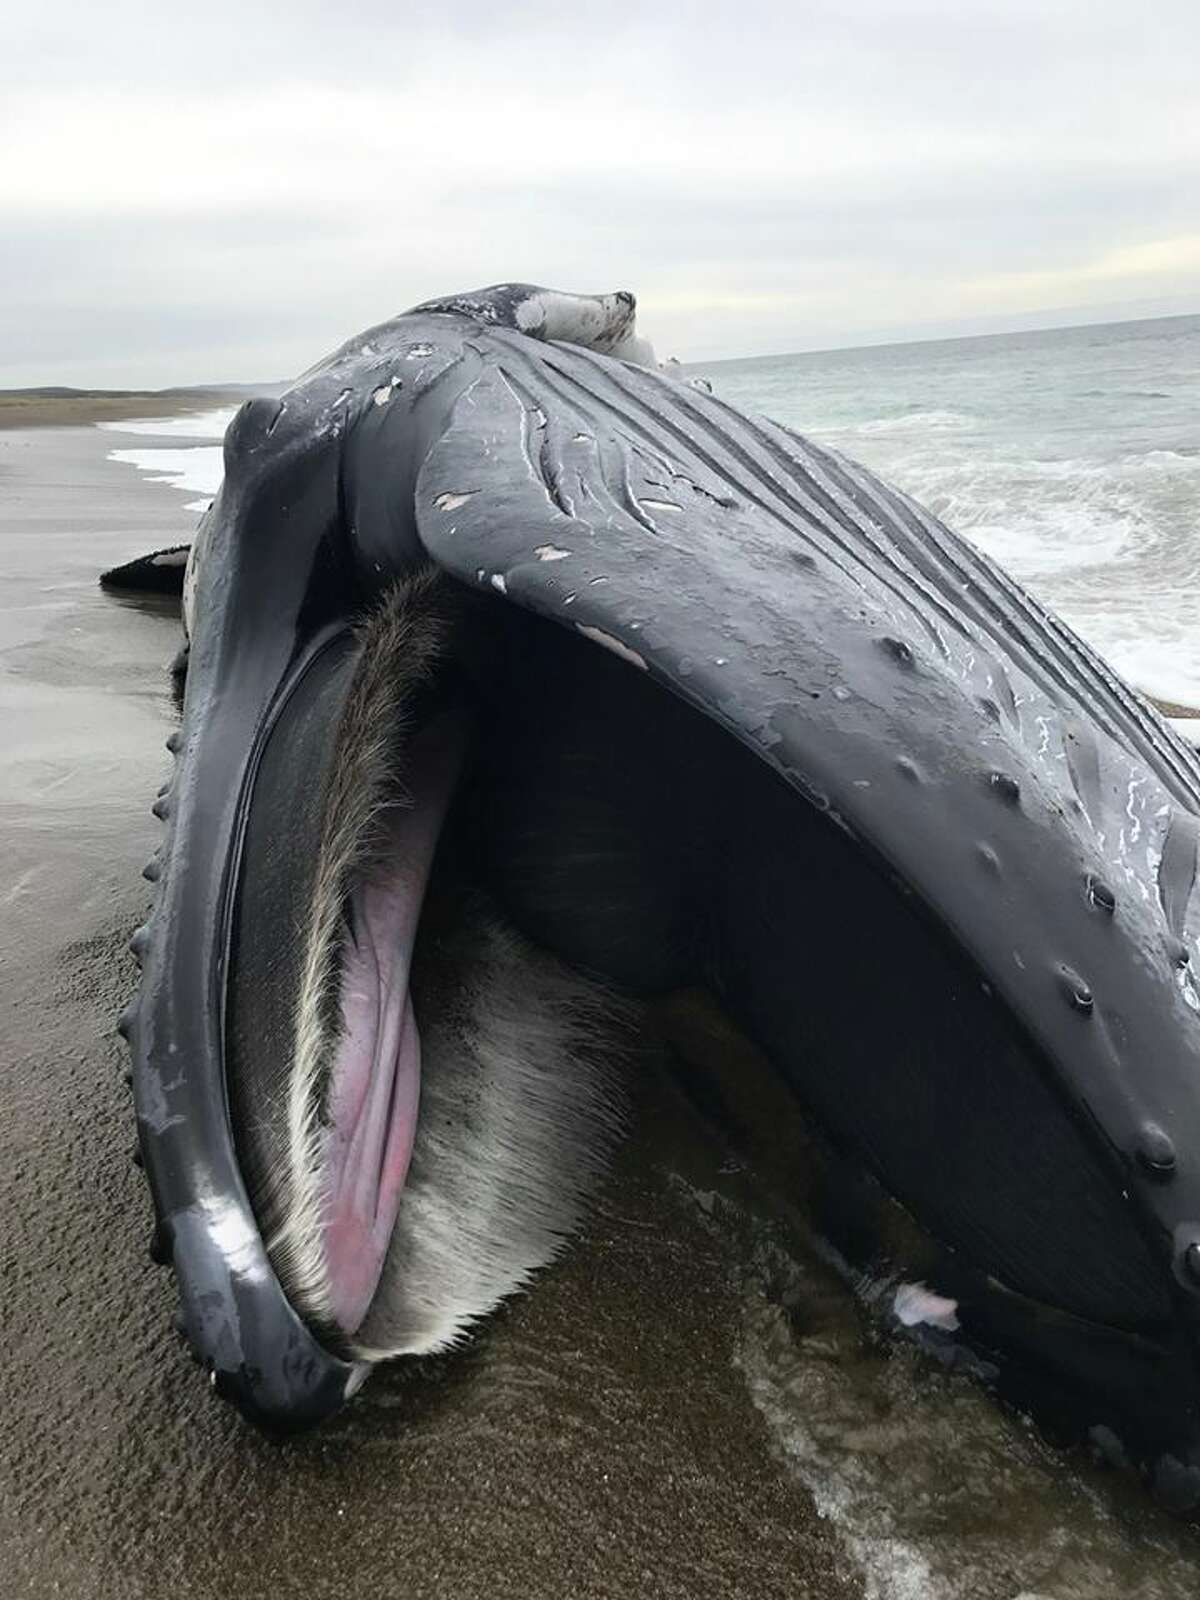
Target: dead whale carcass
[{"x": 654, "y": 695}]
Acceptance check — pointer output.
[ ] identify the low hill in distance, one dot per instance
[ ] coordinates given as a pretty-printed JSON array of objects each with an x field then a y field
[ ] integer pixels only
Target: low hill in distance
[{"x": 57, "y": 407}]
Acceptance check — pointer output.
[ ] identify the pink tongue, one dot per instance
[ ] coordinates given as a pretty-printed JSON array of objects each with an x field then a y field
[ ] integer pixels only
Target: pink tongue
[{"x": 376, "y": 1081}]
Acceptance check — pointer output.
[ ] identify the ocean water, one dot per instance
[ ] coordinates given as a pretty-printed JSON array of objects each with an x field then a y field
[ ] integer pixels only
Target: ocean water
[
  {"x": 179, "y": 457},
  {"x": 1072, "y": 456}
]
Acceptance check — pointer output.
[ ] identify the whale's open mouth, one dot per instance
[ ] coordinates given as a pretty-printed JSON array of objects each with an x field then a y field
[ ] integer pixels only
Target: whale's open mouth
[
  {"x": 424, "y": 1103},
  {"x": 423, "y": 1094}
]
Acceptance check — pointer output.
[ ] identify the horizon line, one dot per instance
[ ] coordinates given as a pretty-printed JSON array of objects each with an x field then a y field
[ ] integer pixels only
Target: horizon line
[
  {"x": 217, "y": 386},
  {"x": 872, "y": 343}
]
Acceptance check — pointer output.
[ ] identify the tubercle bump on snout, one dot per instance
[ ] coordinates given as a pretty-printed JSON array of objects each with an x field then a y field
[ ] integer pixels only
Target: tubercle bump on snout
[
  {"x": 160, "y": 1247},
  {"x": 160, "y": 1250}
]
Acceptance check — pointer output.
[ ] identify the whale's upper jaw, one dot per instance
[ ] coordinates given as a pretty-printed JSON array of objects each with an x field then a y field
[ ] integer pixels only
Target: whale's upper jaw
[{"x": 888, "y": 675}]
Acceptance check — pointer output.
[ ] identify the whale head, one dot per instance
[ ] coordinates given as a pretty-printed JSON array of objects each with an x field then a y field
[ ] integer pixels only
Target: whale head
[{"x": 527, "y": 686}]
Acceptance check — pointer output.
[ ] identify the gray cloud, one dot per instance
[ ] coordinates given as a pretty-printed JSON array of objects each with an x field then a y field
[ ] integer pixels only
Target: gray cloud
[{"x": 227, "y": 193}]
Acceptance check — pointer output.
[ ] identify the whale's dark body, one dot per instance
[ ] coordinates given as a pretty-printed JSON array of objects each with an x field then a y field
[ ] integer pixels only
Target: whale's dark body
[{"x": 937, "y": 861}]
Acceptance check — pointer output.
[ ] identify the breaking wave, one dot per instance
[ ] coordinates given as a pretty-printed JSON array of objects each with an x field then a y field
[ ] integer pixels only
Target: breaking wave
[{"x": 194, "y": 468}]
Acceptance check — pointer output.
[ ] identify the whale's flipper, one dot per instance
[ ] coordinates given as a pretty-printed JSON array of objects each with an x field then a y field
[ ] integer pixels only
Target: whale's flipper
[{"x": 160, "y": 572}]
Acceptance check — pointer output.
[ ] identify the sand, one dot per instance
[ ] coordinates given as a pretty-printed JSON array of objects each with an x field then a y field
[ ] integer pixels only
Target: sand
[{"x": 595, "y": 1440}]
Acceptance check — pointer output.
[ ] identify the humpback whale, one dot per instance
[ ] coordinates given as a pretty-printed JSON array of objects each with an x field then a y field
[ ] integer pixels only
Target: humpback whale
[{"x": 527, "y": 685}]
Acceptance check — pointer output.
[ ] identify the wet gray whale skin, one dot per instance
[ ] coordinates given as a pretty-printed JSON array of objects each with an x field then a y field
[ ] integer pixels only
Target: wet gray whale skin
[{"x": 912, "y": 704}]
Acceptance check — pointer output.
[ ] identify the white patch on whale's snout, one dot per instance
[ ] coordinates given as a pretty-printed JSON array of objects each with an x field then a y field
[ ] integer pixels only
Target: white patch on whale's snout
[{"x": 603, "y": 322}]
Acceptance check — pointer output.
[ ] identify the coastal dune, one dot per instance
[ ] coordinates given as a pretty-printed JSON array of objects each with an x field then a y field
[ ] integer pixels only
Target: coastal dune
[{"x": 62, "y": 408}]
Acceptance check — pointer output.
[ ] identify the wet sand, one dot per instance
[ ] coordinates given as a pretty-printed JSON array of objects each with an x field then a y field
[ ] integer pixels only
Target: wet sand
[{"x": 595, "y": 1440}]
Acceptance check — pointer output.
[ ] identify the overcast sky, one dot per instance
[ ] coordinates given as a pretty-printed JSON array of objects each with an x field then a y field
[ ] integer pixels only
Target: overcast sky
[{"x": 227, "y": 191}]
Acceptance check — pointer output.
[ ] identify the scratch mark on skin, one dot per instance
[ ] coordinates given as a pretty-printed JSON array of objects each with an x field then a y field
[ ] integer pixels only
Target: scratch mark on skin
[
  {"x": 451, "y": 502},
  {"x": 598, "y": 636},
  {"x": 498, "y": 583},
  {"x": 550, "y": 552},
  {"x": 1134, "y": 786},
  {"x": 385, "y": 392}
]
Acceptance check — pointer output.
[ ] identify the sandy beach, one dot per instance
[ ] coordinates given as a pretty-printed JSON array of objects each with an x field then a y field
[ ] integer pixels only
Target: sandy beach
[{"x": 594, "y": 1440}]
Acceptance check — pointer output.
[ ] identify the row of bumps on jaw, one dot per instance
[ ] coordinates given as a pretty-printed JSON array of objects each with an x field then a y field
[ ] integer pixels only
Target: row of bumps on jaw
[{"x": 127, "y": 1023}]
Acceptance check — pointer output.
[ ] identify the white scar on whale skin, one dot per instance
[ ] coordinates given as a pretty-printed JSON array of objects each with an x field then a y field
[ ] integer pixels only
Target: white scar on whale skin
[
  {"x": 385, "y": 392},
  {"x": 598, "y": 636}
]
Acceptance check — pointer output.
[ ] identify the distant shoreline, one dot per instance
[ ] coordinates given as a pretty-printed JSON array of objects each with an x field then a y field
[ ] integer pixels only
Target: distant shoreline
[
  {"x": 1170, "y": 708},
  {"x": 870, "y": 344},
  {"x": 65, "y": 408}
]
